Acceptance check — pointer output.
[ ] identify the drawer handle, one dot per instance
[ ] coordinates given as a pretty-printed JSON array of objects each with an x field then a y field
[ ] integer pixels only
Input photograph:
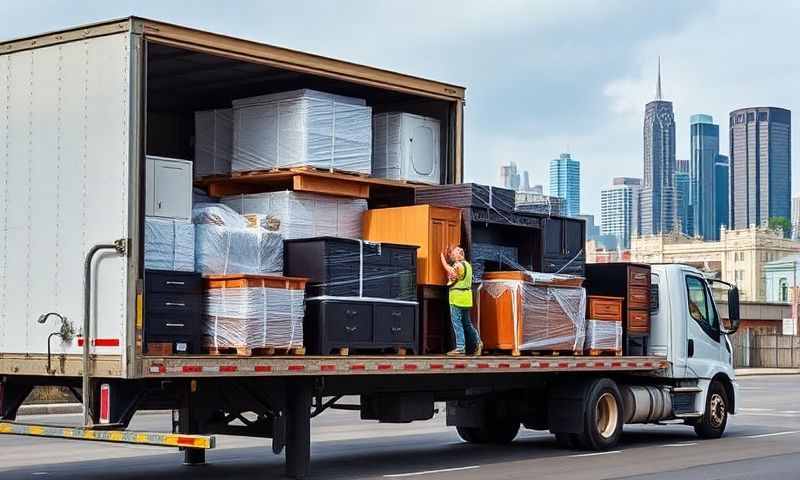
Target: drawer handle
[
  {"x": 396, "y": 329},
  {"x": 174, "y": 282},
  {"x": 351, "y": 313},
  {"x": 350, "y": 328},
  {"x": 178, "y": 325},
  {"x": 174, "y": 304},
  {"x": 397, "y": 314}
]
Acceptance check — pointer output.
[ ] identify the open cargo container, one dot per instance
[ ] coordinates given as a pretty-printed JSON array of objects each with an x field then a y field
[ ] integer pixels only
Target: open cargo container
[{"x": 79, "y": 111}]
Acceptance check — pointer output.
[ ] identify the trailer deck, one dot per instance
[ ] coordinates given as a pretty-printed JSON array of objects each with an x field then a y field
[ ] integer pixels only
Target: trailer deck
[{"x": 282, "y": 366}]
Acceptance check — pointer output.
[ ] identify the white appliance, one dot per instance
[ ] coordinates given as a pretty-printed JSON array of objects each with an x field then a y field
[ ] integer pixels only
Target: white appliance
[
  {"x": 168, "y": 188},
  {"x": 406, "y": 147}
]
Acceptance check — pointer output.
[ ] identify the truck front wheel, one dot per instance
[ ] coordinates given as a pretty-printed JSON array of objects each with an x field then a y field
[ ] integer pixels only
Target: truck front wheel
[
  {"x": 715, "y": 418},
  {"x": 500, "y": 432},
  {"x": 603, "y": 416}
]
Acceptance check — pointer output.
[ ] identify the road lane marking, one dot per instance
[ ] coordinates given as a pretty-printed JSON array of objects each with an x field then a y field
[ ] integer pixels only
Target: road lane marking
[
  {"x": 773, "y": 414},
  {"x": 594, "y": 454},
  {"x": 426, "y": 472},
  {"x": 757, "y": 409},
  {"x": 775, "y": 434},
  {"x": 689, "y": 444}
]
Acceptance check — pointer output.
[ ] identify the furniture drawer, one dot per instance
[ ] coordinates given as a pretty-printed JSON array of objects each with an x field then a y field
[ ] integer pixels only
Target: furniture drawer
[
  {"x": 638, "y": 276},
  {"x": 173, "y": 303},
  {"x": 639, "y": 297},
  {"x": 638, "y": 321},
  {"x": 605, "y": 308},
  {"x": 349, "y": 322},
  {"x": 171, "y": 324},
  {"x": 394, "y": 323},
  {"x": 173, "y": 282}
]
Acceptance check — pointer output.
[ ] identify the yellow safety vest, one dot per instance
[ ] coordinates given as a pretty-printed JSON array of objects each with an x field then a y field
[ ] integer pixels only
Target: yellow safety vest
[{"x": 461, "y": 290}]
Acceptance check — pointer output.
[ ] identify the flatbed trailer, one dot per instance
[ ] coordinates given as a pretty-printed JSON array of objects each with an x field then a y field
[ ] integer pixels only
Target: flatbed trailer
[{"x": 79, "y": 111}]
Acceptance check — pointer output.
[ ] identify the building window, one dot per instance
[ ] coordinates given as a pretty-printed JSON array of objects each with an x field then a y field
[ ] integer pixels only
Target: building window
[
  {"x": 762, "y": 116},
  {"x": 751, "y": 117},
  {"x": 784, "y": 291}
]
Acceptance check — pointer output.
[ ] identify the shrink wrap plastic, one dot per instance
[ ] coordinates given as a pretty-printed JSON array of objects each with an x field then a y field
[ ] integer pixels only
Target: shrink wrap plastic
[
  {"x": 302, "y": 214},
  {"x": 168, "y": 244},
  {"x": 553, "y": 318},
  {"x": 299, "y": 128},
  {"x": 225, "y": 244},
  {"x": 603, "y": 335},
  {"x": 254, "y": 317},
  {"x": 405, "y": 147},
  {"x": 499, "y": 255},
  {"x": 213, "y": 143}
]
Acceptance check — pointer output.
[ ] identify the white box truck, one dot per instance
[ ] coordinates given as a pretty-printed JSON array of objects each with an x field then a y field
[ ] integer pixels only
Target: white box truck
[{"x": 80, "y": 110}]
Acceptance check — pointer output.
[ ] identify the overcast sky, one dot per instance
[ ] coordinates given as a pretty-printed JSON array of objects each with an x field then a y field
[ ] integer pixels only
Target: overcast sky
[{"x": 542, "y": 77}]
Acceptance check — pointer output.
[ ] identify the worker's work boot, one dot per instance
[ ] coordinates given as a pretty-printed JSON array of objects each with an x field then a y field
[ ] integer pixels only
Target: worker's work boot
[
  {"x": 455, "y": 353},
  {"x": 478, "y": 350}
]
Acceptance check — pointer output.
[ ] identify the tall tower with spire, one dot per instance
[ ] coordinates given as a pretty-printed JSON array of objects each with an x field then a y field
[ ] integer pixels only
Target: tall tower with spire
[{"x": 657, "y": 212}]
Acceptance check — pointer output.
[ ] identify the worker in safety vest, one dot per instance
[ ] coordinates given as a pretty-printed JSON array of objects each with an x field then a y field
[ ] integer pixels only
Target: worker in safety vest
[{"x": 459, "y": 279}]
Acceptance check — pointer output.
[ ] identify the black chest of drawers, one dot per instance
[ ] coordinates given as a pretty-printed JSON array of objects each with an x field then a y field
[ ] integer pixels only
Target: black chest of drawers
[
  {"x": 173, "y": 309},
  {"x": 344, "y": 267},
  {"x": 332, "y": 324}
]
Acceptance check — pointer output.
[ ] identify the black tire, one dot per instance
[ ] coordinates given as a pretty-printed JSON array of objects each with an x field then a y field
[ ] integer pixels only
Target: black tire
[
  {"x": 499, "y": 432},
  {"x": 715, "y": 417},
  {"x": 603, "y": 416},
  {"x": 568, "y": 441}
]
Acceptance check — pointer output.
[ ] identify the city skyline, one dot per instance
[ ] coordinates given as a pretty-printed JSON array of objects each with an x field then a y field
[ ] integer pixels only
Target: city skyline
[{"x": 565, "y": 182}]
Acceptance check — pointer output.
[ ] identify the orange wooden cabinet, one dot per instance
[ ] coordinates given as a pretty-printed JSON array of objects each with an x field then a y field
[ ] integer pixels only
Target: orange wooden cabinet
[
  {"x": 496, "y": 309},
  {"x": 431, "y": 228},
  {"x": 604, "y": 308}
]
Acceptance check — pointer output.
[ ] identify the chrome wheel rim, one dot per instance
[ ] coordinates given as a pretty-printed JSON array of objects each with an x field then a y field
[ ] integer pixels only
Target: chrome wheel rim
[
  {"x": 716, "y": 410},
  {"x": 606, "y": 415}
]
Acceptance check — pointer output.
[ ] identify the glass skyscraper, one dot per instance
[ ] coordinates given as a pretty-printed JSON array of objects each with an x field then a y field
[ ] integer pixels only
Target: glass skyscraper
[
  {"x": 565, "y": 182},
  {"x": 683, "y": 208},
  {"x": 618, "y": 205},
  {"x": 760, "y": 165},
  {"x": 722, "y": 181},
  {"x": 703, "y": 186},
  {"x": 657, "y": 199}
]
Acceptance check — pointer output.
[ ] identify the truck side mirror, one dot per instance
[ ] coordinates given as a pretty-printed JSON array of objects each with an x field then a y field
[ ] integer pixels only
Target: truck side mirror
[{"x": 733, "y": 309}]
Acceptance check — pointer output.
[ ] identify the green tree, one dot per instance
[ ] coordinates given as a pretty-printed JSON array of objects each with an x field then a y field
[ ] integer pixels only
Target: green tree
[{"x": 781, "y": 222}]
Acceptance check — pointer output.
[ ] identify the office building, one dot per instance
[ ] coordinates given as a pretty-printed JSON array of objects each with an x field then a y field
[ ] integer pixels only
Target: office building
[
  {"x": 618, "y": 209},
  {"x": 509, "y": 178},
  {"x": 657, "y": 199},
  {"x": 795, "y": 218},
  {"x": 683, "y": 209},
  {"x": 565, "y": 182},
  {"x": 760, "y": 165},
  {"x": 704, "y": 134},
  {"x": 721, "y": 179}
]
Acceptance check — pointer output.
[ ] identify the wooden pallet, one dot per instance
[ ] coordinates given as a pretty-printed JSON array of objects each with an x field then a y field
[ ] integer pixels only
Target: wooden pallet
[
  {"x": 300, "y": 169},
  {"x": 256, "y": 352},
  {"x": 599, "y": 352},
  {"x": 553, "y": 353}
]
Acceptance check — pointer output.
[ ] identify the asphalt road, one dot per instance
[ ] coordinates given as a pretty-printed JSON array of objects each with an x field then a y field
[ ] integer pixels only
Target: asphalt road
[{"x": 762, "y": 442}]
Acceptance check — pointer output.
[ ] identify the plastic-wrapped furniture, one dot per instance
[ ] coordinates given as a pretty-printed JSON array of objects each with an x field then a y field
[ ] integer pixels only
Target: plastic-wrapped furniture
[
  {"x": 168, "y": 244},
  {"x": 248, "y": 313},
  {"x": 603, "y": 337},
  {"x": 302, "y": 128},
  {"x": 406, "y": 147},
  {"x": 213, "y": 142},
  {"x": 302, "y": 214},
  {"x": 516, "y": 314}
]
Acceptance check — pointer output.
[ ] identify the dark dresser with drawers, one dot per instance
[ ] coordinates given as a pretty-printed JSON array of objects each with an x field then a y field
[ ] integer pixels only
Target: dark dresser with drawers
[
  {"x": 172, "y": 311},
  {"x": 632, "y": 282},
  {"x": 333, "y": 324}
]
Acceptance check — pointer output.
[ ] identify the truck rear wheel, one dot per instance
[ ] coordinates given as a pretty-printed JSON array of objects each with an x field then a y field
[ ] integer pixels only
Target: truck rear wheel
[
  {"x": 501, "y": 432},
  {"x": 603, "y": 416},
  {"x": 715, "y": 418}
]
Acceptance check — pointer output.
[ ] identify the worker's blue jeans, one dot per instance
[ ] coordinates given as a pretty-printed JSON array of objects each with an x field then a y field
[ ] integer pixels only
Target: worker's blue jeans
[{"x": 462, "y": 327}]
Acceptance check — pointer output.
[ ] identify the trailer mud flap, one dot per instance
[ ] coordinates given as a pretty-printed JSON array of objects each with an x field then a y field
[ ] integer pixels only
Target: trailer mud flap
[{"x": 566, "y": 404}]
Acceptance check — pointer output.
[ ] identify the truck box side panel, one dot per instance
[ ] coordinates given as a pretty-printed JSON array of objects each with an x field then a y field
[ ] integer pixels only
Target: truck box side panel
[{"x": 64, "y": 155}]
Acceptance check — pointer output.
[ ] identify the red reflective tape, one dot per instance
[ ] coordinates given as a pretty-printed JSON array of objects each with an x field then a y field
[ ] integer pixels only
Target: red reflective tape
[
  {"x": 101, "y": 342},
  {"x": 384, "y": 366},
  {"x": 296, "y": 368},
  {"x": 158, "y": 368},
  {"x": 544, "y": 364},
  {"x": 327, "y": 368},
  {"x": 599, "y": 364},
  {"x": 483, "y": 365},
  {"x": 436, "y": 366},
  {"x": 616, "y": 364},
  {"x": 460, "y": 365},
  {"x": 503, "y": 365},
  {"x": 580, "y": 365},
  {"x": 563, "y": 365},
  {"x": 632, "y": 365},
  {"x": 105, "y": 403},
  {"x": 648, "y": 364},
  {"x": 263, "y": 368},
  {"x": 228, "y": 368},
  {"x": 192, "y": 369},
  {"x": 185, "y": 441},
  {"x": 409, "y": 366},
  {"x": 525, "y": 365},
  {"x": 358, "y": 366}
]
